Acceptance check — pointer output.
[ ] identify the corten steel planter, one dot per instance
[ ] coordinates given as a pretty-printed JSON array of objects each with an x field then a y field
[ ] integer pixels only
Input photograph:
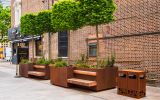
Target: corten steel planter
[
  {"x": 105, "y": 78},
  {"x": 59, "y": 76},
  {"x": 24, "y": 68},
  {"x": 42, "y": 68}
]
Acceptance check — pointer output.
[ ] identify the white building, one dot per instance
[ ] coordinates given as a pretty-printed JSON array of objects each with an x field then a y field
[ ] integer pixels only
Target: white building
[{"x": 6, "y": 3}]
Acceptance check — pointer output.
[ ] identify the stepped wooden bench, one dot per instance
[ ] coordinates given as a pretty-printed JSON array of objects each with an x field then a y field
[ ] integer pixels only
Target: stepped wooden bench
[
  {"x": 35, "y": 73},
  {"x": 41, "y": 71},
  {"x": 94, "y": 79},
  {"x": 82, "y": 82}
]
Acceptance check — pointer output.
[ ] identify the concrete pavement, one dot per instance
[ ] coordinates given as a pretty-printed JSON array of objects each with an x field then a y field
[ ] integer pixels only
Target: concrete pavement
[{"x": 30, "y": 89}]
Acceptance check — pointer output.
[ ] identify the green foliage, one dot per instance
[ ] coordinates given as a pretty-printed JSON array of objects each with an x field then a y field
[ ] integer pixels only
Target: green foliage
[
  {"x": 97, "y": 12},
  {"x": 113, "y": 60},
  {"x": 44, "y": 21},
  {"x": 59, "y": 63},
  {"x": 109, "y": 62},
  {"x": 65, "y": 15},
  {"x": 4, "y": 40},
  {"x": 5, "y": 20},
  {"x": 29, "y": 25},
  {"x": 83, "y": 62},
  {"x": 25, "y": 61},
  {"x": 43, "y": 61}
]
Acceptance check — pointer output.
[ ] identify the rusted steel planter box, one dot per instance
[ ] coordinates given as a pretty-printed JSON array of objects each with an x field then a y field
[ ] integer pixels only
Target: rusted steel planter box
[
  {"x": 133, "y": 85},
  {"x": 105, "y": 78},
  {"x": 59, "y": 76},
  {"x": 24, "y": 68}
]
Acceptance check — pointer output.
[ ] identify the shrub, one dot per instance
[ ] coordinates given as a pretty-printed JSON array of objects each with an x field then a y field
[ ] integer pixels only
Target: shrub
[
  {"x": 59, "y": 63},
  {"x": 43, "y": 61},
  {"x": 109, "y": 62},
  {"x": 25, "y": 61},
  {"x": 83, "y": 62}
]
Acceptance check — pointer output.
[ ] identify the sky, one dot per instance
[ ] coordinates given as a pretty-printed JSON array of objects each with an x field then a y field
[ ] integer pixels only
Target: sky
[{"x": 5, "y": 2}]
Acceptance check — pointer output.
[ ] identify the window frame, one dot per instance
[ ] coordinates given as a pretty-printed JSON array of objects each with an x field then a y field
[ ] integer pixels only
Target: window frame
[
  {"x": 63, "y": 44},
  {"x": 92, "y": 46},
  {"x": 36, "y": 47}
]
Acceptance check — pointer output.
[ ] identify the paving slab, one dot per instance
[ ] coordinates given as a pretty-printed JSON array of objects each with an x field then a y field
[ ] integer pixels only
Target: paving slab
[{"x": 33, "y": 89}]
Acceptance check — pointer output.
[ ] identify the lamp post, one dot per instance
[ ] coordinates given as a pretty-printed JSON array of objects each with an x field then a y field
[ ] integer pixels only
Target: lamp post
[{"x": 14, "y": 31}]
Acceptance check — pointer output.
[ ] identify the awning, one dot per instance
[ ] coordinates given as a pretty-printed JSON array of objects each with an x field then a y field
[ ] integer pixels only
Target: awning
[{"x": 26, "y": 39}]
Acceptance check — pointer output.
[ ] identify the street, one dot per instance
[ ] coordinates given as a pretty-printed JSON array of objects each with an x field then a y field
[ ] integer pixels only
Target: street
[{"x": 32, "y": 89}]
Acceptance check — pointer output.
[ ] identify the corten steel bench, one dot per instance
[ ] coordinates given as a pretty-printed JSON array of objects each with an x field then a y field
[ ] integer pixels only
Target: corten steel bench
[
  {"x": 94, "y": 79},
  {"x": 40, "y": 71}
]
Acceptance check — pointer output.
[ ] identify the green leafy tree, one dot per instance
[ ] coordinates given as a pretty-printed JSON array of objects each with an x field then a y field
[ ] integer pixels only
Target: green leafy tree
[
  {"x": 44, "y": 21},
  {"x": 65, "y": 15},
  {"x": 29, "y": 27},
  {"x": 5, "y": 20},
  {"x": 97, "y": 12},
  {"x": 44, "y": 25}
]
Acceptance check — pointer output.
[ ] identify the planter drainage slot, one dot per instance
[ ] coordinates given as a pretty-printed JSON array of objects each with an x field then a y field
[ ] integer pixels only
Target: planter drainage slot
[
  {"x": 132, "y": 76},
  {"x": 122, "y": 75},
  {"x": 82, "y": 82}
]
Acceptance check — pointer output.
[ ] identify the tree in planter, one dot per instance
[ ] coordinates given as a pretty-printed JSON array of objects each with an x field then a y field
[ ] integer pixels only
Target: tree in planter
[
  {"x": 29, "y": 27},
  {"x": 44, "y": 24},
  {"x": 65, "y": 16},
  {"x": 97, "y": 12}
]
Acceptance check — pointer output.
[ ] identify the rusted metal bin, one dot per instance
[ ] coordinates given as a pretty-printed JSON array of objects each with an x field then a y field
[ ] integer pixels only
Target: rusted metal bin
[
  {"x": 132, "y": 83},
  {"x": 136, "y": 84},
  {"x": 122, "y": 82}
]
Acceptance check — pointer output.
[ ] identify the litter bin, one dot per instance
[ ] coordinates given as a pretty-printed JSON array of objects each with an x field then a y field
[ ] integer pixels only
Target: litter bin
[
  {"x": 122, "y": 82},
  {"x": 132, "y": 83}
]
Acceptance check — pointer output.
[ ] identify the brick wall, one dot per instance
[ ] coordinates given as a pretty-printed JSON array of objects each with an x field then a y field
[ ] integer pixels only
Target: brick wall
[{"x": 132, "y": 52}]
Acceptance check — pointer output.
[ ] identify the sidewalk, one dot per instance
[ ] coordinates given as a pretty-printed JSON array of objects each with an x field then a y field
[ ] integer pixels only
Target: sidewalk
[{"x": 30, "y": 89}]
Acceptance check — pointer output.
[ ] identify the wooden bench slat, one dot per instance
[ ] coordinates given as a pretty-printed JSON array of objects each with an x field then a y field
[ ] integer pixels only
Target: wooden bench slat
[
  {"x": 89, "y": 73},
  {"x": 39, "y": 66},
  {"x": 82, "y": 82},
  {"x": 35, "y": 73}
]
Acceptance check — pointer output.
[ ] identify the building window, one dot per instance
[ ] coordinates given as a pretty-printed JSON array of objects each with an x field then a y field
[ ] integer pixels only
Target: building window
[
  {"x": 38, "y": 48},
  {"x": 92, "y": 49},
  {"x": 63, "y": 44}
]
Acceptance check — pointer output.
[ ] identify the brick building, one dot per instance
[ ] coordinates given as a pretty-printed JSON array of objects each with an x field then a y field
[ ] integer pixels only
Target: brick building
[{"x": 134, "y": 36}]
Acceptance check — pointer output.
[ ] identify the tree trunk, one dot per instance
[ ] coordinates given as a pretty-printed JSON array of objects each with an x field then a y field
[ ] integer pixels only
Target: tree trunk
[
  {"x": 32, "y": 48},
  {"x": 68, "y": 54},
  {"x": 97, "y": 37},
  {"x": 49, "y": 45}
]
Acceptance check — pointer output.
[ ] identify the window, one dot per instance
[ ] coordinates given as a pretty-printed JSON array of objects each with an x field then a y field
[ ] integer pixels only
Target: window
[
  {"x": 92, "y": 50},
  {"x": 38, "y": 48},
  {"x": 63, "y": 44}
]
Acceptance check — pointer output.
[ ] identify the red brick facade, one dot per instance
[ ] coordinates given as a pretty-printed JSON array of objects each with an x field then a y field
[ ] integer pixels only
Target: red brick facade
[{"x": 120, "y": 37}]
